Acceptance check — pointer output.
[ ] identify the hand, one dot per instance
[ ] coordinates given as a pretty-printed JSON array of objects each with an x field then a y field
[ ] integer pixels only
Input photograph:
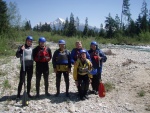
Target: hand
[
  {"x": 69, "y": 70},
  {"x": 23, "y": 48},
  {"x": 74, "y": 63},
  {"x": 55, "y": 70},
  {"x": 76, "y": 82},
  {"x": 99, "y": 58},
  {"x": 90, "y": 81}
]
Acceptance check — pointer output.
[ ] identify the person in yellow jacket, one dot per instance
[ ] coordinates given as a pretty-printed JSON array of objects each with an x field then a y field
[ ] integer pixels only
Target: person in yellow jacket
[{"x": 81, "y": 74}]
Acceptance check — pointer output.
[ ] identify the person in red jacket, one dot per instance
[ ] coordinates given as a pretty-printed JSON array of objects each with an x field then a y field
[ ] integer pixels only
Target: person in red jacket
[{"x": 42, "y": 55}]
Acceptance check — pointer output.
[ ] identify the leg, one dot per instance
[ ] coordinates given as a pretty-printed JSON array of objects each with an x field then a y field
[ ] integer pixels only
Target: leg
[
  {"x": 29, "y": 78},
  {"x": 66, "y": 77},
  {"x": 86, "y": 86},
  {"x": 46, "y": 79},
  {"x": 38, "y": 79},
  {"x": 58, "y": 78},
  {"x": 20, "y": 82}
]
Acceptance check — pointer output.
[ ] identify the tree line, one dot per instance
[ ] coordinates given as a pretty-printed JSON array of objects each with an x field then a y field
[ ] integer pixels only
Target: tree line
[{"x": 114, "y": 26}]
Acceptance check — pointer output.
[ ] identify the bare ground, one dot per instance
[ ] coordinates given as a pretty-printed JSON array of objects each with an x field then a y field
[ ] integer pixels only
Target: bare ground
[{"x": 127, "y": 70}]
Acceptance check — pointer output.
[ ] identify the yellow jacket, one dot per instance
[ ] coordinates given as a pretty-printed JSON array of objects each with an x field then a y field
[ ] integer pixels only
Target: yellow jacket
[{"x": 78, "y": 65}]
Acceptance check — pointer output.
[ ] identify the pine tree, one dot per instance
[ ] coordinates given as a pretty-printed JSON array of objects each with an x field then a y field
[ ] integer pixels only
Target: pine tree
[
  {"x": 144, "y": 17},
  {"x": 85, "y": 31},
  {"x": 71, "y": 28},
  {"x": 125, "y": 14},
  {"x": 4, "y": 24}
]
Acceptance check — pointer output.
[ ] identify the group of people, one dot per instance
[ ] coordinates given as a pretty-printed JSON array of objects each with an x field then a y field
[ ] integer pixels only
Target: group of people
[{"x": 83, "y": 61}]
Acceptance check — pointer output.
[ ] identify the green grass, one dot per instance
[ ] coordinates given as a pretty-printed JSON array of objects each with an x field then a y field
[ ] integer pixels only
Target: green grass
[
  {"x": 9, "y": 42},
  {"x": 6, "y": 84},
  {"x": 109, "y": 86},
  {"x": 141, "y": 93}
]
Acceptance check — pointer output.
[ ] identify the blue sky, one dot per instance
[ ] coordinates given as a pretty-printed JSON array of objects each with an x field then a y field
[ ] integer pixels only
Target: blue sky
[{"x": 95, "y": 10}]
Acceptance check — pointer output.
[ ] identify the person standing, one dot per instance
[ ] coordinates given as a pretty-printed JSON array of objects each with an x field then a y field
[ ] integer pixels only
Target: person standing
[
  {"x": 97, "y": 58},
  {"x": 27, "y": 48},
  {"x": 42, "y": 55},
  {"x": 62, "y": 65},
  {"x": 75, "y": 54},
  {"x": 81, "y": 74}
]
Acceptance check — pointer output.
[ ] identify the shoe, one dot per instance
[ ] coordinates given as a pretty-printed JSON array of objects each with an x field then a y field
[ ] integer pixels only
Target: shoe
[
  {"x": 67, "y": 95},
  {"x": 96, "y": 92},
  {"x": 86, "y": 97},
  {"x": 47, "y": 94},
  {"x": 30, "y": 96},
  {"x": 37, "y": 96},
  {"x": 82, "y": 98},
  {"x": 57, "y": 94},
  {"x": 18, "y": 97}
]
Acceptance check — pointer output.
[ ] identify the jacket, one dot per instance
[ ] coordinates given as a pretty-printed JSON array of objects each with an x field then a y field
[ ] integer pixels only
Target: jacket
[
  {"x": 75, "y": 55},
  {"x": 61, "y": 60},
  {"x": 94, "y": 58},
  {"x": 27, "y": 55},
  {"x": 79, "y": 65}
]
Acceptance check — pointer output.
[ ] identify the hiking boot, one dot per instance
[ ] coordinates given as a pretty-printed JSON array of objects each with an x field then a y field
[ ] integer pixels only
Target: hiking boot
[
  {"x": 30, "y": 96},
  {"x": 18, "y": 96},
  {"x": 37, "y": 96},
  {"x": 82, "y": 98},
  {"x": 67, "y": 95},
  {"x": 96, "y": 92},
  {"x": 48, "y": 94},
  {"x": 86, "y": 97},
  {"x": 57, "y": 94}
]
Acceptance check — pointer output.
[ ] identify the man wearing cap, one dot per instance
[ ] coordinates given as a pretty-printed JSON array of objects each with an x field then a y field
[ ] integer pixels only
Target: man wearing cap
[{"x": 42, "y": 55}]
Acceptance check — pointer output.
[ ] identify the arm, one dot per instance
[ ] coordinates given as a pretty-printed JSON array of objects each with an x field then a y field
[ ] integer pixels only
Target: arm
[
  {"x": 19, "y": 52},
  {"x": 50, "y": 53},
  {"x": 103, "y": 56},
  {"x": 69, "y": 60},
  {"x": 88, "y": 56},
  {"x": 75, "y": 71},
  {"x": 54, "y": 59},
  {"x": 72, "y": 56}
]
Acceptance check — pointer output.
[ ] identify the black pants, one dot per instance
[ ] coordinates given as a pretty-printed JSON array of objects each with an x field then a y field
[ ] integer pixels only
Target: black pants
[
  {"x": 29, "y": 72},
  {"x": 83, "y": 85},
  {"x": 42, "y": 69},
  {"x": 58, "y": 79},
  {"x": 95, "y": 81}
]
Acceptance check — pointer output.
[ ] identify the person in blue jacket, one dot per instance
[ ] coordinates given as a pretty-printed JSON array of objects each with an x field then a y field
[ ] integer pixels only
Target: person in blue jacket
[
  {"x": 97, "y": 58},
  {"x": 75, "y": 54}
]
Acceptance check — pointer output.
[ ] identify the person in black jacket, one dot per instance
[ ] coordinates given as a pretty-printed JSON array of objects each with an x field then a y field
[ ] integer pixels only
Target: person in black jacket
[
  {"x": 27, "y": 48},
  {"x": 62, "y": 64},
  {"x": 42, "y": 55}
]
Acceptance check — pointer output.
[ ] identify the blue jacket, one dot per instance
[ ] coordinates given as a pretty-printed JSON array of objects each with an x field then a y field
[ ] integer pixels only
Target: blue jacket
[
  {"x": 96, "y": 63},
  {"x": 75, "y": 54}
]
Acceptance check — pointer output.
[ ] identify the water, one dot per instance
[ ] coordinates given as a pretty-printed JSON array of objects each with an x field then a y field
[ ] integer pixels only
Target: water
[{"x": 138, "y": 48}]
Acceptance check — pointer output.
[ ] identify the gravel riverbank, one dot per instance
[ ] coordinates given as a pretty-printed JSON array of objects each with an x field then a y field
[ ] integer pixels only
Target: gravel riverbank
[{"x": 127, "y": 70}]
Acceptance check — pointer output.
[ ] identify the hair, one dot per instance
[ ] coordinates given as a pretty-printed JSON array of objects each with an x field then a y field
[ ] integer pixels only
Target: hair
[{"x": 78, "y": 42}]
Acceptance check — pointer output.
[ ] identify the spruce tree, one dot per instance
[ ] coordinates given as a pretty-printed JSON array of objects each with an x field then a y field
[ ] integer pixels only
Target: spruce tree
[{"x": 4, "y": 24}]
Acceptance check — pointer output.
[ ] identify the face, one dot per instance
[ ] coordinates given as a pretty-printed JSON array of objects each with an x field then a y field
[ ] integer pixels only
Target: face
[
  {"x": 78, "y": 45},
  {"x": 42, "y": 44},
  {"x": 62, "y": 46},
  {"x": 83, "y": 55},
  {"x": 29, "y": 42},
  {"x": 93, "y": 47}
]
